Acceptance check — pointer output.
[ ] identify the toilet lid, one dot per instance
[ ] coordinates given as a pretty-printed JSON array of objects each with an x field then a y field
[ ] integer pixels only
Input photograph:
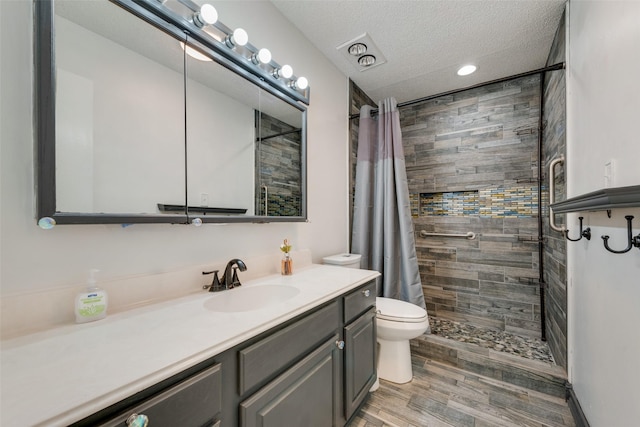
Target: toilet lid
[{"x": 399, "y": 311}]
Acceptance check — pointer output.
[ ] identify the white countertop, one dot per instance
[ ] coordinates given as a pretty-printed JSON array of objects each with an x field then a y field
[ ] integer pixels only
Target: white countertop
[{"x": 62, "y": 375}]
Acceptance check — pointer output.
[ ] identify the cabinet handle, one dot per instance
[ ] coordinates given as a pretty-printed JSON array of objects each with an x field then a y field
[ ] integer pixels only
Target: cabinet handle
[
  {"x": 366, "y": 293},
  {"x": 136, "y": 420},
  {"x": 340, "y": 344}
]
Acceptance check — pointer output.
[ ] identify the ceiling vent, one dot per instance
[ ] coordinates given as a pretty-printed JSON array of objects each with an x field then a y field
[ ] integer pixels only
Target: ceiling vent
[{"x": 362, "y": 53}]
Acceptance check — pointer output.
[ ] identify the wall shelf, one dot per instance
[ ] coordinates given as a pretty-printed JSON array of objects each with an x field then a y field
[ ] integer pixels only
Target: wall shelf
[
  {"x": 601, "y": 200},
  {"x": 200, "y": 209}
]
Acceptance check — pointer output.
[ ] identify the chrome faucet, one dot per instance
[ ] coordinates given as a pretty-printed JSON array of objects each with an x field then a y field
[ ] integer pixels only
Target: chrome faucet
[{"x": 230, "y": 280}]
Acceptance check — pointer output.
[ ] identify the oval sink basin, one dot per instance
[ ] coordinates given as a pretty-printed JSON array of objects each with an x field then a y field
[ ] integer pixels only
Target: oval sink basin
[{"x": 250, "y": 298}]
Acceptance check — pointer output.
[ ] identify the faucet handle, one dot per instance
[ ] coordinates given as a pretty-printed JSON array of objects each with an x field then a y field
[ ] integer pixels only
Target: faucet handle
[
  {"x": 235, "y": 282},
  {"x": 215, "y": 286}
]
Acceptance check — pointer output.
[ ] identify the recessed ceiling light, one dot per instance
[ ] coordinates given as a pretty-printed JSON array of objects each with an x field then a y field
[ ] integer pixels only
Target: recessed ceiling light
[
  {"x": 357, "y": 49},
  {"x": 466, "y": 70},
  {"x": 194, "y": 53},
  {"x": 366, "y": 60}
]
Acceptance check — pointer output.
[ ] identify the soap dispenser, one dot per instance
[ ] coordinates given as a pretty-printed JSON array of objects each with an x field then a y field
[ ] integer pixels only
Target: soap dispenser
[{"x": 91, "y": 304}]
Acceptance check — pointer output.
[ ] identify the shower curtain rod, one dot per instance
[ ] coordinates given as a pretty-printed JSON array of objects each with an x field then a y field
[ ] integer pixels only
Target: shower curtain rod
[
  {"x": 278, "y": 134},
  {"x": 554, "y": 67}
]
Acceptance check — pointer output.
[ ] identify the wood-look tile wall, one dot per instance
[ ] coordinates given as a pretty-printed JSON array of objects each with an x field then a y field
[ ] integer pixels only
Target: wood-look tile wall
[
  {"x": 483, "y": 140},
  {"x": 555, "y": 245}
]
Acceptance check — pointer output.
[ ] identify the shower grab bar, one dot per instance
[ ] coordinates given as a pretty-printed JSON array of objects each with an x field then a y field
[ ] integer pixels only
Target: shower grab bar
[
  {"x": 266, "y": 199},
  {"x": 552, "y": 188},
  {"x": 469, "y": 234}
]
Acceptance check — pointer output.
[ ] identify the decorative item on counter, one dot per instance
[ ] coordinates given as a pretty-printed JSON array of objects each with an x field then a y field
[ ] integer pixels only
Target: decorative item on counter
[
  {"x": 286, "y": 266},
  {"x": 92, "y": 303}
]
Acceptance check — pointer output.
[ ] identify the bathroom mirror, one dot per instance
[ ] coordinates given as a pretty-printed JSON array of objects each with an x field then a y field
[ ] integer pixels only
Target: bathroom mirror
[{"x": 133, "y": 130}]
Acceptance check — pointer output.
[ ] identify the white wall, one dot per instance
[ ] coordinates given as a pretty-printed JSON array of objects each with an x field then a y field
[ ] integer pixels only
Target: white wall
[
  {"x": 35, "y": 260},
  {"x": 603, "y": 85}
]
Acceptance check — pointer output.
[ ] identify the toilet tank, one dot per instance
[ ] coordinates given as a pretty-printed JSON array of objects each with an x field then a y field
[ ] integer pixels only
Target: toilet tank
[{"x": 343, "y": 260}]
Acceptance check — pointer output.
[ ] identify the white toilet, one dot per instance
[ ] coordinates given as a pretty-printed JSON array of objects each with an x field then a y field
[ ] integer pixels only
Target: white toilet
[{"x": 397, "y": 322}]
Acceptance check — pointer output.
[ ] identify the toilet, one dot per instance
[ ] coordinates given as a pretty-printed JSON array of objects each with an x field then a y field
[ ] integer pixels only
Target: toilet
[{"x": 397, "y": 322}]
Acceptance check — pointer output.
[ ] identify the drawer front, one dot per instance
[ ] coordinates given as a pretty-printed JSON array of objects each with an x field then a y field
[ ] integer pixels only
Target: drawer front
[
  {"x": 359, "y": 301},
  {"x": 196, "y": 401},
  {"x": 269, "y": 356}
]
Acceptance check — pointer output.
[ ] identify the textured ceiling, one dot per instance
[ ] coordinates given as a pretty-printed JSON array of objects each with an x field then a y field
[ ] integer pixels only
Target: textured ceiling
[{"x": 426, "y": 41}]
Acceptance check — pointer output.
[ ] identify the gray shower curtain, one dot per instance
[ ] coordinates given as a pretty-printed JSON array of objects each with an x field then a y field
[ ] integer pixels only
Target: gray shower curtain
[{"x": 382, "y": 225}]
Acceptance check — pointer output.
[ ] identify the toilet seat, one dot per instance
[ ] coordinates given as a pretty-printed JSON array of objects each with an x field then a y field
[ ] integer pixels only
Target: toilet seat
[{"x": 399, "y": 311}]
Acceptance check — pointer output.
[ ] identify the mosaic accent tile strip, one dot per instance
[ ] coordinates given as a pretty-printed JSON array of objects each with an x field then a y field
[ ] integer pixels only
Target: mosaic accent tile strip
[
  {"x": 414, "y": 203},
  {"x": 283, "y": 205},
  {"x": 459, "y": 203},
  {"x": 495, "y": 202}
]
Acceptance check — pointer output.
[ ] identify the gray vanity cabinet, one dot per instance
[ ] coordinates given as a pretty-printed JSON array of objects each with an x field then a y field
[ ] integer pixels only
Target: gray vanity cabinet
[{"x": 328, "y": 385}]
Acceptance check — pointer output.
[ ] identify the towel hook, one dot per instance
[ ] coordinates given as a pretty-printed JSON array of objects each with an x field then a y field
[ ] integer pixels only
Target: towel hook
[
  {"x": 586, "y": 233},
  {"x": 633, "y": 241}
]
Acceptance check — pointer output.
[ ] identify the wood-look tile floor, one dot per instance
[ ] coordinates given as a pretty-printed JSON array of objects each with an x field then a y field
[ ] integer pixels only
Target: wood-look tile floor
[{"x": 443, "y": 396}]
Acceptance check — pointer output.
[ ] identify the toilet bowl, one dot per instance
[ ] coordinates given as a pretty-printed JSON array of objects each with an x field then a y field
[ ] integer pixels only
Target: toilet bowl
[{"x": 397, "y": 322}]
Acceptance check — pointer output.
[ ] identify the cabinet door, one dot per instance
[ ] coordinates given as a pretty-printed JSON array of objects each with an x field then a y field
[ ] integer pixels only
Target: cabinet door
[
  {"x": 308, "y": 394},
  {"x": 360, "y": 360}
]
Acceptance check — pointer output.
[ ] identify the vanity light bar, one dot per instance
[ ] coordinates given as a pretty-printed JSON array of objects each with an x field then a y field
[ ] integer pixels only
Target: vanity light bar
[{"x": 204, "y": 21}]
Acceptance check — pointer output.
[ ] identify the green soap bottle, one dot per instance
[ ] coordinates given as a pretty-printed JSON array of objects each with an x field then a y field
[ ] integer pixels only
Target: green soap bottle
[{"x": 92, "y": 303}]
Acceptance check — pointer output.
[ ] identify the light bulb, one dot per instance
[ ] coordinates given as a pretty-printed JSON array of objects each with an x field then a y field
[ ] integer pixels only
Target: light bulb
[
  {"x": 240, "y": 37},
  {"x": 264, "y": 55},
  {"x": 302, "y": 83},
  {"x": 466, "y": 70},
  {"x": 366, "y": 60},
  {"x": 286, "y": 71},
  {"x": 208, "y": 15}
]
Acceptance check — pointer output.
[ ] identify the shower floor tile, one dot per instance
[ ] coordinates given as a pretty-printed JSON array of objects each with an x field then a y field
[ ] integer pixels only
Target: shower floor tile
[{"x": 527, "y": 347}]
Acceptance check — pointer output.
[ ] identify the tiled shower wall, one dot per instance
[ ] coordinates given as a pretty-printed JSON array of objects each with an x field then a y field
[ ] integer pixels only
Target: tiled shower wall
[
  {"x": 472, "y": 166},
  {"x": 476, "y": 151},
  {"x": 555, "y": 248}
]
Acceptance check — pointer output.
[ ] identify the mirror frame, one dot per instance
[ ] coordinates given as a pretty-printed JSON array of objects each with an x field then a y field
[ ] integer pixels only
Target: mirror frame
[{"x": 45, "y": 115}]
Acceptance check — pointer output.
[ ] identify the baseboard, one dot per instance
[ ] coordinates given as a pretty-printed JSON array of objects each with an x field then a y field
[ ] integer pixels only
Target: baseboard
[{"x": 576, "y": 410}]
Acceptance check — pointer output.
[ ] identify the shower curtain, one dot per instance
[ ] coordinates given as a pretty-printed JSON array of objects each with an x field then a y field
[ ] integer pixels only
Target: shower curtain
[{"x": 382, "y": 225}]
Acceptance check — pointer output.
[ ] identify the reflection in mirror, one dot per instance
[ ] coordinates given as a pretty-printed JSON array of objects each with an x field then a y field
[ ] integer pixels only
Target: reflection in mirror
[
  {"x": 278, "y": 160},
  {"x": 234, "y": 129},
  {"x": 119, "y": 111},
  {"x": 220, "y": 132}
]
